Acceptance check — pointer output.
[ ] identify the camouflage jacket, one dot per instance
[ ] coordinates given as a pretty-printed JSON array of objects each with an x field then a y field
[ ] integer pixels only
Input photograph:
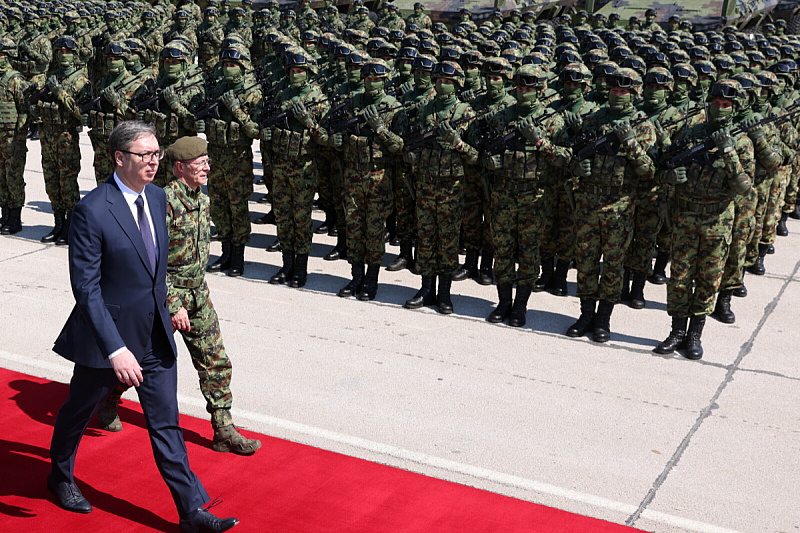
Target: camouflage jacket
[
  {"x": 13, "y": 104},
  {"x": 366, "y": 146},
  {"x": 189, "y": 226},
  {"x": 172, "y": 123},
  {"x": 34, "y": 56},
  {"x": 422, "y": 21},
  {"x": 229, "y": 128},
  {"x": 153, "y": 39},
  {"x": 766, "y": 153},
  {"x": 290, "y": 138},
  {"x": 485, "y": 127},
  {"x": 61, "y": 110},
  {"x": 789, "y": 137},
  {"x": 242, "y": 31},
  {"x": 104, "y": 120}
]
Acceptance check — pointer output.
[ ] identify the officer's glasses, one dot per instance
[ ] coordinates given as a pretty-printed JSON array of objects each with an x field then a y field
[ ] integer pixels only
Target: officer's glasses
[
  {"x": 199, "y": 165},
  {"x": 147, "y": 157}
]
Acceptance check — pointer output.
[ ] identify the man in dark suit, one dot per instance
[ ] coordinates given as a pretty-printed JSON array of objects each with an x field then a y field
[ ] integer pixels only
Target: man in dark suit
[{"x": 120, "y": 328}]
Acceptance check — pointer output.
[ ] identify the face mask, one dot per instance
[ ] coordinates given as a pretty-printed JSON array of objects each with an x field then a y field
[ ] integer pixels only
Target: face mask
[
  {"x": 182, "y": 24},
  {"x": 472, "y": 73},
  {"x": 704, "y": 85},
  {"x": 233, "y": 75},
  {"x": 173, "y": 71},
  {"x": 341, "y": 69},
  {"x": 373, "y": 88},
  {"x": 581, "y": 21},
  {"x": 422, "y": 81},
  {"x": 620, "y": 103},
  {"x": 572, "y": 93},
  {"x": 133, "y": 62},
  {"x": 655, "y": 96},
  {"x": 527, "y": 99},
  {"x": 495, "y": 89},
  {"x": 762, "y": 98},
  {"x": 354, "y": 75},
  {"x": 404, "y": 68},
  {"x": 719, "y": 116},
  {"x": 445, "y": 89},
  {"x": 65, "y": 60},
  {"x": 4, "y": 64},
  {"x": 680, "y": 92},
  {"x": 299, "y": 79},
  {"x": 115, "y": 66},
  {"x": 148, "y": 23}
]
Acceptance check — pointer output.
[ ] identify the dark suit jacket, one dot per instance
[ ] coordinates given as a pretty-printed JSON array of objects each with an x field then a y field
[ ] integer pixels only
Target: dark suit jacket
[{"x": 119, "y": 300}]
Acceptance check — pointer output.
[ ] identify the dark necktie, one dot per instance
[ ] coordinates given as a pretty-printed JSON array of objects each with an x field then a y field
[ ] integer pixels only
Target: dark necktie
[{"x": 147, "y": 234}]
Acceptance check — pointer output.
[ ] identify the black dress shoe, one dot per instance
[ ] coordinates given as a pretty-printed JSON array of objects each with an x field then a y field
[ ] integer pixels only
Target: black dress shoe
[
  {"x": 69, "y": 496},
  {"x": 201, "y": 521}
]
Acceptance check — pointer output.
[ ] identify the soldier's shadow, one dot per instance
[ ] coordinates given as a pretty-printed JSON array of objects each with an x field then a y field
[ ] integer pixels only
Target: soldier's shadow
[
  {"x": 32, "y": 233},
  {"x": 40, "y": 206}
]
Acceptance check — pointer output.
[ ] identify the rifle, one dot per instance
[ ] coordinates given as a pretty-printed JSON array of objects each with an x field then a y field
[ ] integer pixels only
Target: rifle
[
  {"x": 282, "y": 117},
  {"x": 212, "y": 109},
  {"x": 589, "y": 144},
  {"x": 427, "y": 137},
  {"x": 92, "y": 103},
  {"x": 353, "y": 123},
  {"x": 153, "y": 98},
  {"x": 41, "y": 93},
  {"x": 510, "y": 140}
]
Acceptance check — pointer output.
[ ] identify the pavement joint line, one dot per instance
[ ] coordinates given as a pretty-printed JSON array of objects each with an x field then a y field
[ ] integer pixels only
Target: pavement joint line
[
  {"x": 44, "y": 247},
  {"x": 769, "y": 373},
  {"x": 712, "y": 404}
]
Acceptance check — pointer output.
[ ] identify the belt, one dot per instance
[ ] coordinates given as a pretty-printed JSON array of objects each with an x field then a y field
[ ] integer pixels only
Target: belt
[
  {"x": 696, "y": 207},
  {"x": 186, "y": 283}
]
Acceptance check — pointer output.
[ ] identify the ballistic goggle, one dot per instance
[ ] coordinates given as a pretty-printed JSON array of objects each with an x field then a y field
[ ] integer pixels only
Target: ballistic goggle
[
  {"x": 65, "y": 42},
  {"x": 682, "y": 72},
  {"x": 374, "y": 69},
  {"x": 445, "y": 70},
  {"x": 171, "y": 53},
  {"x": 570, "y": 75},
  {"x": 422, "y": 63},
  {"x": 721, "y": 90},
  {"x": 621, "y": 81}
]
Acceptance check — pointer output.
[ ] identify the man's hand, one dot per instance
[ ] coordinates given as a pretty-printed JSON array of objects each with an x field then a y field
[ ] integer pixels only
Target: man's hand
[
  {"x": 171, "y": 96},
  {"x": 532, "y": 132},
  {"x": 53, "y": 86},
  {"x": 302, "y": 115},
  {"x": 127, "y": 369},
  {"x": 624, "y": 132},
  {"x": 266, "y": 135},
  {"x": 449, "y": 135},
  {"x": 112, "y": 97},
  {"x": 584, "y": 168},
  {"x": 724, "y": 140},
  {"x": 180, "y": 320},
  {"x": 574, "y": 122},
  {"x": 374, "y": 118},
  {"x": 662, "y": 135},
  {"x": 230, "y": 101},
  {"x": 336, "y": 140}
]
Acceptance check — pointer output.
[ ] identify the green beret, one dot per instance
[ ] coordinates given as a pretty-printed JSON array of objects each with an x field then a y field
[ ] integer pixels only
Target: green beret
[{"x": 187, "y": 148}]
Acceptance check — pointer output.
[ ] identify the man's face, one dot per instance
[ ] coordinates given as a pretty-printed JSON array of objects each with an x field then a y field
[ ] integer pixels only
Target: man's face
[
  {"x": 194, "y": 172},
  {"x": 131, "y": 169}
]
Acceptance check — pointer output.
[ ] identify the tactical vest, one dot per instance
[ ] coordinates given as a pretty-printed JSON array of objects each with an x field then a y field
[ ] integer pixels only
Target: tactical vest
[
  {"x": 529, "y": 163},
  {"x": 708, "y": 180},
  {"x": 288, "y": 144},
  {"x": 53, "y": 112},
  {"x": 612, "y": 170},
  {"x": 363, "y": 152},
  {"x": 439, "y": 161},
  {"x": 8, "y": 106}
]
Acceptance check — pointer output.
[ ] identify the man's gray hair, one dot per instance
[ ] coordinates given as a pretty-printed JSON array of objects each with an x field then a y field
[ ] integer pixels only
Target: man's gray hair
[{"x": 126, "y": 133}]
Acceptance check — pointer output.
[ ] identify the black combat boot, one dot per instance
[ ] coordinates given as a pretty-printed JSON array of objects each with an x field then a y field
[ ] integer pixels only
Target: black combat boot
[
  {"x": 559, "y": 282},
  {"x": 782, "y": 230},
  {"x": 300, "y": 274},
  {"x": 770, "y": 249},
  {"x": 694, "y": 350},
  {"x": 224, "y": 261},
  {"x": 723, "y": 308},
  {"x": 585, "y": 321},
  {"x": 33, "y": 132},
  {"x": 63, "y": 238},
  {"x": 237, "y": 260},
  {"x": 520, "y": 307},
  {"x": 4, "y": 212},
  {"x": 470, "y": 267},
  {"x": 58, "y": 217},
  {"x": 795, "y": 214},
  {"x": 328, "y": 223},
  {"x": 404, "y": 259},
  {"x": 675, "y": 337},
  {"x": 625, "y": 295},
  {"x": 269, "y": 218},
  {"x": 659, "y": 276},
  {"x": 486, "y": 273},
  {"x": 602, "y": 319},
  {"x": 354, "y": 287},
  {"x": 340, "y": 250},
  {"x": 425, "y": 296},
  {"x": 275, "y": 246},
  {"x": 14, "y": 222},
  {"x": 545, "y": 279},
  {"x": 370, "y": 288},
  {"x": 443, "y": 298},
  {"x": 741, "y": 292},
  {"x": 286, "y": 272},
  {"x": 503, "y": 309},
  {"x": 416, "y": 267},
  {"x": 757, "y": 268},
  {"x": 637, "y": 300}
]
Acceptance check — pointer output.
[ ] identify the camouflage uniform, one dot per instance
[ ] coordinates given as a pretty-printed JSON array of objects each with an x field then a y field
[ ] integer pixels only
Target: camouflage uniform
[
  {"x": 153, "y": 38},
  {"x": 13, "y": 128},
  {"x": 209, "y": 38}
]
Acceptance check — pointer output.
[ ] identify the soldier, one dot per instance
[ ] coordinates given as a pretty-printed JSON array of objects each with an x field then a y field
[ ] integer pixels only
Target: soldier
[
  {"x": 73, "y": 29},
  {"x": 33, "y": 60},
  {"x": 359, "y": 20},
  {"x": 13, "y": 126},
  {"x": 288, "y": 26},
  {"x": 209, "y": 40},
  {"x": 419, "y": 19},
  {"x": 230, "y": 138},
  {"x": 439, "y": 171},
  {"x": 152, "y": 37},
  {"x": 367, "y": 187},
  {"x": 61, "y": 155},
  {"x": 604, "y": 202},
  {"x": 188, "y": 297},
  {"x": 181, "y": 28},
  {"x": 650, "y": 23},
  {"x": 135, "y": 62},
  {"x": 393, "y": 20},
  {"x": 237, "y": 25},
  {"x": 702, "y": 217}
]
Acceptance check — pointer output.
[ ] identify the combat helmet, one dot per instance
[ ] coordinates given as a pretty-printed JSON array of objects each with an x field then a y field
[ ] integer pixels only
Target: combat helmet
[{"x": 497, "y": 66}]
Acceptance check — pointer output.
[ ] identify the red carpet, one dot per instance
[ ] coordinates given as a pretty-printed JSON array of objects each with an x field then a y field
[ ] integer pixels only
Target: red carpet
[{"x": 285, "y": 487}]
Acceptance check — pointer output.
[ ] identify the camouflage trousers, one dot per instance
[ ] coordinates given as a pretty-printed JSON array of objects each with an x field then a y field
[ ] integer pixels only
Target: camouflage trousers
[
  {"x": 61, "y": 164},
  {"x": 646, "y": 225},
  {"x": 790, "y": 198},
  {"x": 440, "y": 202},
  {"x": 13, "y": 154},
  {"x": 762, "y": 189},
  {"x": 103, "y": 166},
  {"x": 293, "y": 186},
  {"x": 230, "y": 185},
  {"x": 477, "y": 221},
  {"x": 558, "y": 239},
  {"x": 367, "y": 203},
  {"x": 744, "y": 222},
  {"x": 774, "y": 204},
  {"x": 603, "y": 228},
  {"x": 700, "y": 243},
  {"x": 266, "y": 166},
  {"x": 404, "y": 203},
  {"x": 518, "y": 226},
  {"x": 331, "y": 185}
]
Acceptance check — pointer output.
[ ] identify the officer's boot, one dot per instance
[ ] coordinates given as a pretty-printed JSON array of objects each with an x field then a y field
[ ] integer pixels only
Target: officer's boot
[
  {"x": 625, "y": 295},
  {"x": 757, "y": 268},
  {"x": 675, "y": 337},
  {"x": 520, "y": 308},
  {"x": 544, "y": 281},
  {"x": 107, "y": 415},
  {"x": 602, "y": 319},
  {"x": 637, "y": 300},
  {"x": 370, "y": 287},
  {"x": 228, "y": 439},
  {"x": 237, "y": 260},
  {"x": 300, "y": 274},
  {"x": 723, "y": 308},
  {"x": 275, "y": 246},
  {"x": 559, "y": 284},
  {"x": 585, "y": 321},
  {"x": 340, "y": 250},
  {"x": 224, "y": 261},
  {"x": 694, "y": 349},
  {"x": 443, "y": 298},
  {"x": 741, "y": 292},
  {"x": 659, "y": 276},
  {"x": 58, "y": 217},
  {"x": 782, "y": 230},
  {"x": 354, "y": 287},
  {"x": 503, "y": 309},
  {"x": 470, "y": 267},
  {"x": 14, "y": 223},
  {"x": 5, "y": 211},
  {"x": 486, "y": 273},
  {"x": 286, "y": 271},
  {"x": 425, "y": 296},
  {"x": 403, "y": 260},
  {"x": 63, "y": 238}
]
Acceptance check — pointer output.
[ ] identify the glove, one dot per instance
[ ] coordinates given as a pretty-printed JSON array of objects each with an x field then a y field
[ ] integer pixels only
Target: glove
[
  {"x": 677, "y": 176},
  {"x": 755, "y": 132},
  {"x": 468, "y": 96},
  {"x": 662, "y": 135},
  {"x": 200, "y": 126},
  {"x": 251, "y": 130},
  {"x": 231, "y": 102},
  {"x": 140, "y": 115},
  {"x": 112, "y": 97},
  {"x": 574, "y": 122},
  {"x": 412, "y": 158},
  {"x": 302, "y": 115},
  {"x": 494, "y": 162},
  {"x": 407, "y": 86},
  {"x": 449, "y": 136},
  {"x": 171, "y": 96},
  {"x": 532, "y": 132},
  {"x": 337, "y": 140},
  {"x": 374, "y": 119},
  {"x": 266, "y": 135},
  {"x": 584, "y": 168},
  {"x": 53, "y": 86},
  {"x": 624, "y": 132},
  {"x": 85, "y": 120},
  {"x": 724, "y": 141}
]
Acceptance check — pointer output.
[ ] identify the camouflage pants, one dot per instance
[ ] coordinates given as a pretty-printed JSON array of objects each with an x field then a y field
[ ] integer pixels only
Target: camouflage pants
[
  {"x": 646, "y": 225},
  {"x": 439, "y": 205},
  {"x": 12, "y": 169},
  {"x": 558, "y": 238},
  {"x": 518, "y": 225},
  {"x": 103, "y": 166},
  {"x": 367, "y": 203},
  {"x": 603, "y": 228},
  {"x": 61, "y": 163},
  {"x": 266, "y": 166},
  {"x": 774, "y": 204},
  {"x": 763, "y": 191},
  {"x": 230, "y": 184},
  {"x": 744, "y": 222},
  {"x": 293, "y": 186},
  {"x": 700, "y": 243},
  {"x": 331, "y": 185},
  {"x": 404, "y": 203},
  {"x": 477, "y": 221},
  {"x": 790, "y": 198}
]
